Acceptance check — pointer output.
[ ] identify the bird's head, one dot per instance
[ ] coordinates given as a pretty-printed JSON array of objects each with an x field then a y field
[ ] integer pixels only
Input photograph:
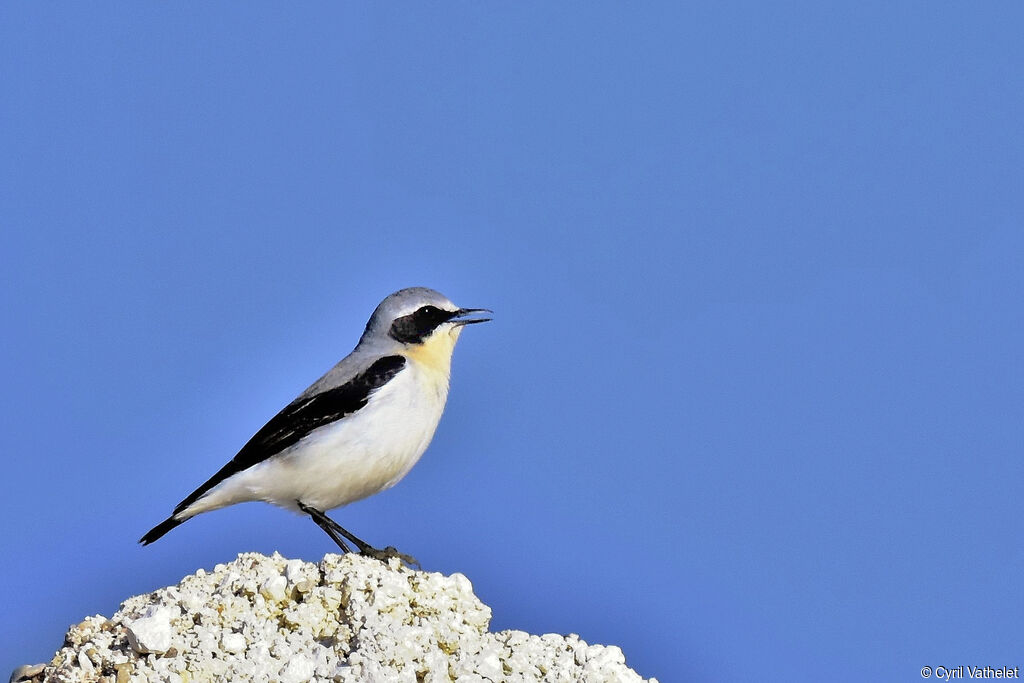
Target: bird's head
[{"x": 423, "y": 322}]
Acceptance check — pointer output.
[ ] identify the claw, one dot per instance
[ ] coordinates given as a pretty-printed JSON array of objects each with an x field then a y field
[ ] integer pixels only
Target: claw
[{"x": 388, "y": 553}]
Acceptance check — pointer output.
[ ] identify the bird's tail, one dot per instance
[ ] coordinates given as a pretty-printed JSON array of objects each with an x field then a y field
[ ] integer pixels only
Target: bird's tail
[{"x": 161, "y": 529}]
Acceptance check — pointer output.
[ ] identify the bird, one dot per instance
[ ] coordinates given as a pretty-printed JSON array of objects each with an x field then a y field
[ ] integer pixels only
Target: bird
[{"x": 355, "y": 431}]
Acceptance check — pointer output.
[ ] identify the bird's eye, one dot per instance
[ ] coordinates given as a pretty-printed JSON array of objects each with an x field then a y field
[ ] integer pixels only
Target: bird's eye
[
  {"x": 416, "y": 326},
  {"x": 430, "y": 313}
]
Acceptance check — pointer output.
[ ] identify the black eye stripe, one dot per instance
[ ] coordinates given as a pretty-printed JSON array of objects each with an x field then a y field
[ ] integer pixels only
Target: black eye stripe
[{"x": 416, "y": 326}]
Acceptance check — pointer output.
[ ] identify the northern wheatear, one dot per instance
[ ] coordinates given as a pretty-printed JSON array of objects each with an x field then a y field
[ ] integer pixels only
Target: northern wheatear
[{"x": 355, "y": 431}]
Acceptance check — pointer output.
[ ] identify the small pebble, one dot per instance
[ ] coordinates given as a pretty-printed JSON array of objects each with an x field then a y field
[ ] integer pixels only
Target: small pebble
[
  {"x": 151, "y": 633},
  {"x": 274, "y": 588},
  {"x": 233, "y": 642},
  {"x": 26, "y": 671}
]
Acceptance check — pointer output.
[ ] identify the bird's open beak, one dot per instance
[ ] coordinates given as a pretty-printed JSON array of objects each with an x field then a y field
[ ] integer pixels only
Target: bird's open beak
[{"x": 468, "y": 316}]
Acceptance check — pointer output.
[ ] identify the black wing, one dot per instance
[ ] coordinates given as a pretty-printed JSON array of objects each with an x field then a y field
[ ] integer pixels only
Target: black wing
[{"x": 301, "y": 417}]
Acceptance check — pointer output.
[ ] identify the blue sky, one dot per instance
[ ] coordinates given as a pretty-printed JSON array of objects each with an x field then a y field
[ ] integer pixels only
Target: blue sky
[{"x": 751, "y": 403}]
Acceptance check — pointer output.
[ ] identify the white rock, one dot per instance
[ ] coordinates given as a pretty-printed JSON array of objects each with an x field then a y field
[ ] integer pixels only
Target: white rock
[
  {"x": 26, "y": 672},
  {"x": 152, "y": 632},
  {"x": 275, "y": 588},
  {"x": 84, "y": 663},
  {"x": 489, "y": 664},
  {"x": 294, "y": 571},
  {"x": 233, "y": 642},
  {"x": 348, "y": 619},
  {"x": 297, "y": 671}
]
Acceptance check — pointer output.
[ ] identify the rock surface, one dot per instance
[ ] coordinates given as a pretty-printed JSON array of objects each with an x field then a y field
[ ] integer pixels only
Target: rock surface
[{"x": 348, "y": 618}]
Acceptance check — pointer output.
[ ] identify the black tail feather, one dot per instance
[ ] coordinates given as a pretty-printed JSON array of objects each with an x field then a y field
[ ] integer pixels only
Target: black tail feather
[{"x": 160, "y": 529}]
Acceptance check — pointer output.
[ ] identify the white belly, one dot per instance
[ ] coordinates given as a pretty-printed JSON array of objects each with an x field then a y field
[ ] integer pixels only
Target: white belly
[{"x": 358, "y": 456}]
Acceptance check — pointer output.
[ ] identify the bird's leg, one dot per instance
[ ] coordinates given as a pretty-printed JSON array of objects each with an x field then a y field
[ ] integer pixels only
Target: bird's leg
[
  {"x": 333, "y": 529},
  {"x": 325, "y": 523}
]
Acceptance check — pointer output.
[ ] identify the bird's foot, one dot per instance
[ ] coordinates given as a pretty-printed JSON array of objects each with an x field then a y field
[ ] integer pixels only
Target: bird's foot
[
  {"x": 335, "y": 531},
  {"x": 389, "y": 552}
]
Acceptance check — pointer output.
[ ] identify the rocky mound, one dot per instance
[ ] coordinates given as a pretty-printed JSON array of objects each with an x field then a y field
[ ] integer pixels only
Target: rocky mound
[{"x": 348, "y": 618}]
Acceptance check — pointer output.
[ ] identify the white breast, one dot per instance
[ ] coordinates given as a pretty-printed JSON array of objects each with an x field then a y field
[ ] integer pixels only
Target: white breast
[{"x": 362, "y": 454}]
